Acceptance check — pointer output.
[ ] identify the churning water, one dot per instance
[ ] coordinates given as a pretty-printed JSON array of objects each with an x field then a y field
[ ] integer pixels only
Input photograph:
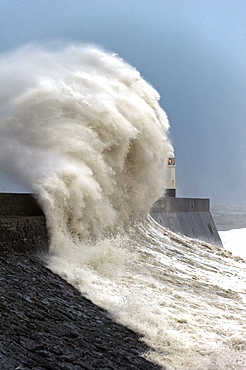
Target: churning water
[{"x": 85, "y": 132}]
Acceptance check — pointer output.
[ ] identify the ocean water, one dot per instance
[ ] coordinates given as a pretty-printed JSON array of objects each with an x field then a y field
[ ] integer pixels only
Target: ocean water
[
  {"x": 86, "y": 133},
  {"x": 187, "y": 297},
  {"x": 231, "y": 224}
]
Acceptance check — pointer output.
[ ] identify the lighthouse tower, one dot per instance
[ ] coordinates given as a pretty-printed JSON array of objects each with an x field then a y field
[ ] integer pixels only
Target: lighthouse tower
[{"x": 170, "y": 177}]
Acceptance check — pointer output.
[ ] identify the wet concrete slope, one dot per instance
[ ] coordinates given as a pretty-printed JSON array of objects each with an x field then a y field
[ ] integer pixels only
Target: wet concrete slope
[
  {"x": 187, "y": 216},
  {"x": 46, "y": 324}
]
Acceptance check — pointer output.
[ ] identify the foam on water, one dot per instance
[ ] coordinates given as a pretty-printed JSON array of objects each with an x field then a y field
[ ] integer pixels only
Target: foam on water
[
  {"x": 187, "y": 297},
  {"x": 85, "y": 132},
  {"x": 235, "y": 241}
]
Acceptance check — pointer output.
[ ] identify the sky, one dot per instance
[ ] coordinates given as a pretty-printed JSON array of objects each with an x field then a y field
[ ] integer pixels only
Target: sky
[{"x": 192, "y": 51}]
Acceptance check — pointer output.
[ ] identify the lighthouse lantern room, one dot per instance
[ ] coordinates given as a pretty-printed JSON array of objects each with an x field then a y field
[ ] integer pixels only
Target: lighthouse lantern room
[{"x": 170, "y": 179}]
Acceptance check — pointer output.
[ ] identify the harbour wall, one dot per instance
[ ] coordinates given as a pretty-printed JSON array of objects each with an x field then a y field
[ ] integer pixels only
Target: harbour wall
[
  {"x": 23, "y": 225},
  {"x": 187, "y": 216}
]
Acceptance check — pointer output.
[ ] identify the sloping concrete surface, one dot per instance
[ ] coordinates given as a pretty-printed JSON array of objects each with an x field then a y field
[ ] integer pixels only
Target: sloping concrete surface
[
  {"x": 187, "y": 216},
  {"x": 47, "y": 324}
]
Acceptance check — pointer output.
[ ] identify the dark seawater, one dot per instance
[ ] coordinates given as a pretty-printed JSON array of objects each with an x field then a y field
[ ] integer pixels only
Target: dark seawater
[
  {"x": 228, "y": 218},
  {"x": 231, "y": 223}
]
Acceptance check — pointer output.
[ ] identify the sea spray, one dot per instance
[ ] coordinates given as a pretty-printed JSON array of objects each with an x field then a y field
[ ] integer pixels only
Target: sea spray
[
  {"x": 187, "y": 297},
  {"x": 85, "y": 132}
]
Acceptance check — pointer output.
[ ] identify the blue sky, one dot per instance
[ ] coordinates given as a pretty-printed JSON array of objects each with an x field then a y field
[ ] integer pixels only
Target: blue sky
[{"x": 192, "y": 51}]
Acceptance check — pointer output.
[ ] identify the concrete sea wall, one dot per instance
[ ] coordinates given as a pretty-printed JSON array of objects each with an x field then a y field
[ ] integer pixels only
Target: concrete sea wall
[
  {"x": 22, "y": 224},
  {"x": 19, "y": 205},
  {"x": 187, "y": 216}
]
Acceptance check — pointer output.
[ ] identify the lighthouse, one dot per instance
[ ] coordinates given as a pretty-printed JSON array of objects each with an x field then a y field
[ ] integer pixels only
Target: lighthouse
[
  {"x": 186, "y": 216},
  {"x": 170, "y": 177}
]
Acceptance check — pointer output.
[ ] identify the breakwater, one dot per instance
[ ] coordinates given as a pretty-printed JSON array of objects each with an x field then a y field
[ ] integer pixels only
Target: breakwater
[
  {"x": 22, "y": 224},
  {"x": 187, "y": 216}
]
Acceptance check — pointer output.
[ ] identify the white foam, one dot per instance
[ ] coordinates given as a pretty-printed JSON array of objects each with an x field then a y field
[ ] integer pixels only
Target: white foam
[
  {"x": 185, "y": 296},
  {"x": 234, "y": 241},
  {"x": 86, "y": 133}
]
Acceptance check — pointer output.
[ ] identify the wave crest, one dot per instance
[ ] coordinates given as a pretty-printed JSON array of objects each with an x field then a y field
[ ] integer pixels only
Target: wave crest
[{"x": 86, "y": 133}]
